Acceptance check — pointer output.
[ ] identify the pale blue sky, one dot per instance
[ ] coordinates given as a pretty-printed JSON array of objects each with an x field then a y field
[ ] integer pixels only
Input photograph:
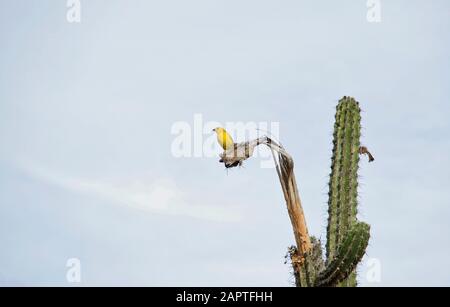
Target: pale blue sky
[{"x": 86, "y": 112}]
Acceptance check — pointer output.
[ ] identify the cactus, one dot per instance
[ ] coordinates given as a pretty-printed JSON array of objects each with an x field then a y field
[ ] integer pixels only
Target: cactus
[
  {"x": 347, "y": 238},
  {"x": 343, "y": 184}
]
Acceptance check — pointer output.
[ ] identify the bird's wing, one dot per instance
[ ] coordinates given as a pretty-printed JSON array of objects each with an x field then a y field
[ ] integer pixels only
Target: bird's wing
[
  {"x": 229, "y": 143},
  {"x": 225, "y": 140}
]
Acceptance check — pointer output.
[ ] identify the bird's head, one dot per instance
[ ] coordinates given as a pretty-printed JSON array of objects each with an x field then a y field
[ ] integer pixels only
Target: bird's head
[{"x": 218, "y": 130}]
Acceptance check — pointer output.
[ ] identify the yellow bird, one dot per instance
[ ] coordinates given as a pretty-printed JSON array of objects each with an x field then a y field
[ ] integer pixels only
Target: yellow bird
[{"x": 224, "y": 138}]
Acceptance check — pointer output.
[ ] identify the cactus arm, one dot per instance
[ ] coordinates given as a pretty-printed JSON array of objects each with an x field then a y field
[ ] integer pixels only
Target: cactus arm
[{"x": 349, "y": 253}]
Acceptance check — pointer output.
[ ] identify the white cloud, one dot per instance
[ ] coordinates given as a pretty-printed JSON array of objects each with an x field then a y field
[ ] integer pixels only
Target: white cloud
[{"x": 158, "y": 196}]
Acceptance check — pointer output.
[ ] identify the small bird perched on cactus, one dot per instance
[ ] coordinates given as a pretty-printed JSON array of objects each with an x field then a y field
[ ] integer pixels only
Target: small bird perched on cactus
[
  {"x": 364, "y": 151},
  {"x": 235, "y": 154},
  {"x": 225, "y": 140}
]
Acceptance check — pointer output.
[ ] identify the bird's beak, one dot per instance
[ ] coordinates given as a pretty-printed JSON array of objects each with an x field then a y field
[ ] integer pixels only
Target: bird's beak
[{"x": 214, "y": 129}]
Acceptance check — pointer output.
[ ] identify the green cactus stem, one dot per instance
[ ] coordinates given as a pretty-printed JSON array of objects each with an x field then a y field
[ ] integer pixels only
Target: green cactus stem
[
  {"x": 343, "y": 184},
  {"x": 350, "y": 252},
  {"x": 347, "y": 239}
]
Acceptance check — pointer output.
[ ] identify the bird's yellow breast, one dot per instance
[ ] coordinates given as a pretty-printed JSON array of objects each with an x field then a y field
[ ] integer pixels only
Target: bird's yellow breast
[{"x": 224, "y": 138}]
